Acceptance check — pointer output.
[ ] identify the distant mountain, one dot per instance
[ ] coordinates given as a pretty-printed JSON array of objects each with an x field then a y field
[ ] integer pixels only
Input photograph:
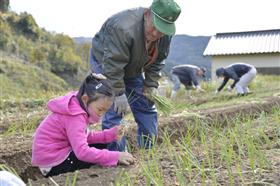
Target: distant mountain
[
  {"x": 81, "y": 40},
  {"x": 188, "y": 50},
  {"x": 184, "y": 50}
]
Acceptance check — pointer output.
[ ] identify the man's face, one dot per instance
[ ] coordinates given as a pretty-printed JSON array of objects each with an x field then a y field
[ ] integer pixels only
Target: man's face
[{"x": 151, "y": 33}]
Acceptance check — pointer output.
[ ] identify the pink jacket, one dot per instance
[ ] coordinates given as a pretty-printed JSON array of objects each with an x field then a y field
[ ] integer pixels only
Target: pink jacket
[{"x": 64, "y": 130}]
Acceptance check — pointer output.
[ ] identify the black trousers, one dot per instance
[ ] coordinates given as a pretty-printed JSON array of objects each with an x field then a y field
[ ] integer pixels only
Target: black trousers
[{"x": 72, "y": 163}]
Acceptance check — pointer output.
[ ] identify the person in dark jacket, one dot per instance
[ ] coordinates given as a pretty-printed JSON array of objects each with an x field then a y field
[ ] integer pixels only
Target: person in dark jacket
[
  {"x": 188, "y": 75},
  {"x": 241, "y": 73},
  {"x": 130, "y": 50}
]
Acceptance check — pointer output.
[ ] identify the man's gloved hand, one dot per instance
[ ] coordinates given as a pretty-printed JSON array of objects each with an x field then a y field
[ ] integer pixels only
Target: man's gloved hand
[
  {"x": 199, "y": 89},
  {"x": 216, "y": 92},
  {"x": 120, "y": 104},
  {"x": 229, "y": 88},
  {"x": 149, "y": 92},
  {"x": 98, "y": 76}
]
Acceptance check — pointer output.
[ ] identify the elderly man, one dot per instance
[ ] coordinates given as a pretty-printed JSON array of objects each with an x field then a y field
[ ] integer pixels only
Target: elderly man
[
  {"x": 130, "y": 50},
  {"x": 188, "y": 75}
]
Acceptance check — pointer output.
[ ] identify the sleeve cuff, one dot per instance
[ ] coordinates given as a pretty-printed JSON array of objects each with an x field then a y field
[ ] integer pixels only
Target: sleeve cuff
[
  {"x": 112, "y": 159},
  {"x": 112, "y": 134}
]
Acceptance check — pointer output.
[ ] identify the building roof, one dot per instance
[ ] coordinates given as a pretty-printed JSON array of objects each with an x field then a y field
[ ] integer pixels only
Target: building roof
[{"x": 252, "y": 42}]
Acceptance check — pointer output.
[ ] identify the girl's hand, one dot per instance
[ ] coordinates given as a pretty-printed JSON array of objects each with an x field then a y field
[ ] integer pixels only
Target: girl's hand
[
  {"x": 126, "y": 158},
  {"x": 122, "y": 129}
]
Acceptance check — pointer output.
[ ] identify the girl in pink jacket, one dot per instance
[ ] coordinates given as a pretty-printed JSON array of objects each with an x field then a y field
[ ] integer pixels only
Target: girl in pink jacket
[{"x": 62, "y": 143}]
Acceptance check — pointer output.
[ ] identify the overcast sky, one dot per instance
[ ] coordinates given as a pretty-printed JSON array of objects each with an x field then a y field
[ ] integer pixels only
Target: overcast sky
[{"x": 198, "y": 17}]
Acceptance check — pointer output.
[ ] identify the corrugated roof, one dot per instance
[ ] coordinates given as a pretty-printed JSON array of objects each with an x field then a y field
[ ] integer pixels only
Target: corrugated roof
[{"x": 264, "y": 41}]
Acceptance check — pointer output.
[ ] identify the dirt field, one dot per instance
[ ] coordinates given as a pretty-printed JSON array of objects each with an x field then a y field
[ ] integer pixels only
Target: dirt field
[{"x": 15, "y": 150}]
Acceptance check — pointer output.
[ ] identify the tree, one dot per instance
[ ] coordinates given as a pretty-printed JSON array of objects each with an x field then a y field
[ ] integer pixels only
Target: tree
[{"x": 4, "y": 5}]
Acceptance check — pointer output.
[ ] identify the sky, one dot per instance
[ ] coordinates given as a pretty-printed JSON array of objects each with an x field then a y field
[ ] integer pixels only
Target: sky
[{"x": 198, "y": 17}]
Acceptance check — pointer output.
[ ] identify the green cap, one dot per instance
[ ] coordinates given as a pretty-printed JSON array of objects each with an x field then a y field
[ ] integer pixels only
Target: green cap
[{"x": 165, "y": 13}]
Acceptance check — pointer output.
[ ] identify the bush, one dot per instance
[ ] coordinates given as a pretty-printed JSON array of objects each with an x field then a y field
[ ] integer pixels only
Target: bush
[
  {"x": 66, "y": 61},
  {"x": 61, "y": 40},
  {"x": 28, "y": 26}
]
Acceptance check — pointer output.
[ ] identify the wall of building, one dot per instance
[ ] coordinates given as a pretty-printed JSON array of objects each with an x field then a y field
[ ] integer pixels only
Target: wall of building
[{"x": 265, "y": 63}]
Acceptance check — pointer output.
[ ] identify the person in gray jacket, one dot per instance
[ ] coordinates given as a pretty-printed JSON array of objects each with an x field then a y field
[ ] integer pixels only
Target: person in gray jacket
[
  {"x": 188, "y": 75},
  {"x": 130, "y": 50},
  {"x": 241, "y": 73}
]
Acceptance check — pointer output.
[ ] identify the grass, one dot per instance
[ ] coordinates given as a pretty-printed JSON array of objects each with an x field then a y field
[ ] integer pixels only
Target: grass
[
  {"x": 69, "y": 181},
  {"x": 22, "y": 115},
  {"x": 262, "y": 86},
  {"x": 206, "y": 155},
  {"x": 163, "y": 104},
  {"x": 18, "y": 80},
  {"x": 9, "y": 169},
  {"x": 24, "y": 126}
]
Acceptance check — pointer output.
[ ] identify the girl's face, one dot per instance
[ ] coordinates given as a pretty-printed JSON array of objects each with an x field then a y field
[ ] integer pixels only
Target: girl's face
[{"x": 100, "y": 106}]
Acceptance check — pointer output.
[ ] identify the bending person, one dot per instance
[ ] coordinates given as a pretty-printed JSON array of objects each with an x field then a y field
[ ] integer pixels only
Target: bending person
[
  {"x": 241, "y": 73},
  {"x": 188, "y": 75}
]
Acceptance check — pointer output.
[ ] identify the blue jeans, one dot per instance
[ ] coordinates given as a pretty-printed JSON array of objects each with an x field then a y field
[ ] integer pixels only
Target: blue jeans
[
  {"x": 144, "y": 112},
  {"x": 176, "y": 82}
]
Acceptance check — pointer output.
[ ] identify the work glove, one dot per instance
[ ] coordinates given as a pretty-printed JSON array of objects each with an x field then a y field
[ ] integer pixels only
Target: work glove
[
  {"x": 149, "y": 92},
  {"x": 199, "y": 89},
  {"x": 120, "y": 104},
  {"x": 216, "y": 92},
  {"x": 98, "y": 76},
  {"x": 229, "y": 88}
]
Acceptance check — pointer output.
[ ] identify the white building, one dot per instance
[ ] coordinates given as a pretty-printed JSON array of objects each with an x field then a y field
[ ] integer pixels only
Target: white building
[{"x": 258, "y": 48}]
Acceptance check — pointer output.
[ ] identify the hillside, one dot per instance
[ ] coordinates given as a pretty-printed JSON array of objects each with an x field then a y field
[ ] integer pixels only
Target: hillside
[
  {"x": 22, "y": 41},
  {"x": 21, "y": 80}
]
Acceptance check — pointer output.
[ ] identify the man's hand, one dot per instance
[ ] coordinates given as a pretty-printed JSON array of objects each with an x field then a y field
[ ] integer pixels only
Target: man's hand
[
  {"x": 199, "y": 89},
  {"x": 216, "y": 92},
  {"x": 149, "y": 92},
  {"x": 126, "y": 158},
  {"x": 120, "y": 104},
  {"x": 229, "y": 88}
]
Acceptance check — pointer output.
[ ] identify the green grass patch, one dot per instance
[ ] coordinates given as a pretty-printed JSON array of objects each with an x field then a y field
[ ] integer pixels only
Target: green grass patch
[{"x": 208, "y": 155}]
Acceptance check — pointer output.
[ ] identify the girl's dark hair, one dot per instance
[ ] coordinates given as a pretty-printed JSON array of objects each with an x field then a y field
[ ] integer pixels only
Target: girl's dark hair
[{"x": 95, "y": 89}]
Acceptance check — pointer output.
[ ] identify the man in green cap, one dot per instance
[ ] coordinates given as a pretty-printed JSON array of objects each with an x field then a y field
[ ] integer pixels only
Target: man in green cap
[{"x": 129, "y": 50}]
